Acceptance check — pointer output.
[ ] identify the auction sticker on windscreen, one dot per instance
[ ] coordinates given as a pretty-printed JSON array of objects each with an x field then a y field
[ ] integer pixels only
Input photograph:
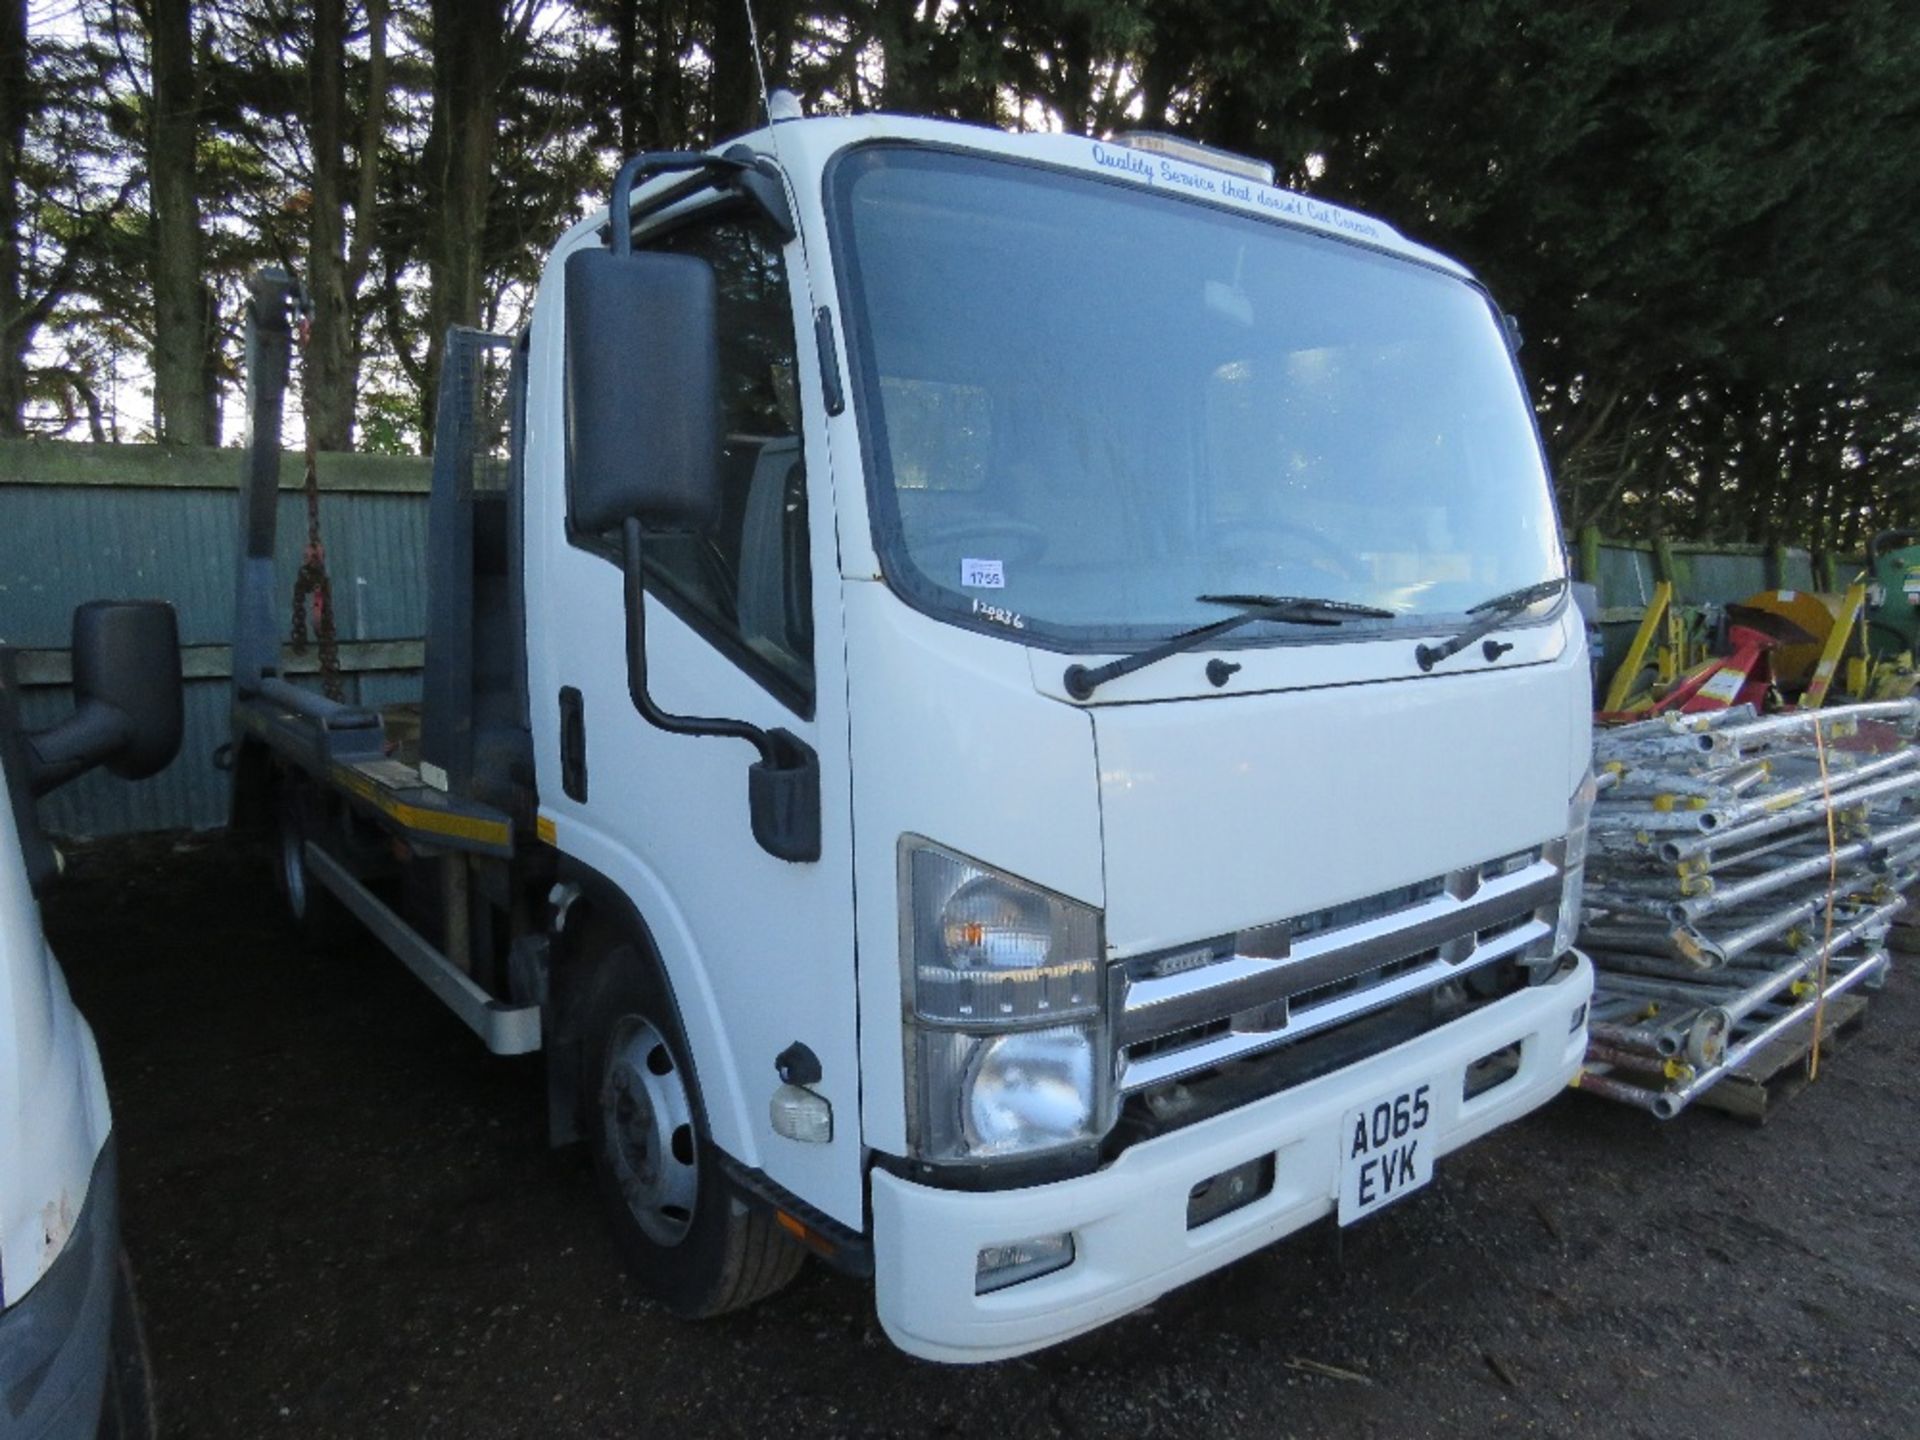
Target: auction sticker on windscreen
[{"x": 1385, "y": 1150}]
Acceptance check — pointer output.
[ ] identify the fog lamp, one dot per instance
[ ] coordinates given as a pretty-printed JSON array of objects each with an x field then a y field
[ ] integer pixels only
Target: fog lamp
[{"x": 999, "y": 1266}]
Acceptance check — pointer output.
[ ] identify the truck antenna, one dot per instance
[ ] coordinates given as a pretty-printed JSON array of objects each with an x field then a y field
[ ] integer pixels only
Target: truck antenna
[{"x": 759, "y": 64}]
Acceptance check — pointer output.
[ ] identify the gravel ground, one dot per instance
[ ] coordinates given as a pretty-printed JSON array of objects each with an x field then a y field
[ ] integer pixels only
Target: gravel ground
[{"x": 346, "y": 1221}]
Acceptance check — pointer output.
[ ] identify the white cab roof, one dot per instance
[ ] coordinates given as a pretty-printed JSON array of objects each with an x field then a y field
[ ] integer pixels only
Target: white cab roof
[{"x": 804, "y": 148}]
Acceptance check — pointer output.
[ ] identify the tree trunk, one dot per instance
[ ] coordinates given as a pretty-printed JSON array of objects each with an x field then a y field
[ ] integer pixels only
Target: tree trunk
[
  {"x": 1159, "y": 75},
  {"x": 185, "y": 393},
  {"x": 908, "y": 86},
  {"x": 735, "y": 98},
  {"x": 13, "y": 137},
  {"x": 1073, "y": 86},
  {"x": 334, "y": 271},
  {"x": 469, "y": 48},
  {"x": 373, "y": 133},
  {"x": 778, "y": 22},
  {"x": 626, "y": 24},
  {"x": 668, "y": 85},
  {"x": 331, "y": 362}
]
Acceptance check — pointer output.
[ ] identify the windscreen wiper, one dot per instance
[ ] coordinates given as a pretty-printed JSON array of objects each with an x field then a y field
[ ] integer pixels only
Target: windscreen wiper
[
  {"x": 1081, "y": 682},
  {"x": 1493, "y": 614}
]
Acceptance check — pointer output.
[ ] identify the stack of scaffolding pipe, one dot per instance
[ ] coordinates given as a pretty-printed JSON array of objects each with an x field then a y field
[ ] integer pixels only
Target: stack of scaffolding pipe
[
  {"x": 1737, "y": 864},
  {"x": 1684, "y": 1083}
]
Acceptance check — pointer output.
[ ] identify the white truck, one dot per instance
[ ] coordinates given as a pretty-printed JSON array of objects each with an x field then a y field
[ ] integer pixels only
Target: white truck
[
  {"x": 72, "y": 1359},
  {"x": 1010, "y": 719}
]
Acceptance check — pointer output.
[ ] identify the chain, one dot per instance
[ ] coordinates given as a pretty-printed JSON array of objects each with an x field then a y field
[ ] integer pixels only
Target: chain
[{"x": 312, "y": 588}]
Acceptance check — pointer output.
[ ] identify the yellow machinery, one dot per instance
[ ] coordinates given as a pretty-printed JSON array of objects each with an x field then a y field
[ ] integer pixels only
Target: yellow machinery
[
  {"x": 1807, "y": 672},
  {"x": 1662, "y": 643},
  {"x": 1833, "y": 658}
]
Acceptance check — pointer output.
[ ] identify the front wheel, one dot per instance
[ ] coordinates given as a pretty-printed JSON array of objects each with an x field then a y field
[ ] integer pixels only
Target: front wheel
[{"x": 690, "y": 1240}]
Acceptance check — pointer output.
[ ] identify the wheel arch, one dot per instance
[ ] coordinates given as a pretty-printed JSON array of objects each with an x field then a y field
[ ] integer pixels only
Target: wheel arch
[
  {"x": 604, "y": 910},
  {"x": 250, "y": 806}
]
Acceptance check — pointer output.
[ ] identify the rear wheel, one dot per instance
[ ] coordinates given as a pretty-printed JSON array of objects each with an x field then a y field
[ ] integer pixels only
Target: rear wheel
[
  {"x": 293, "y": 871},
  {"x": 690, "y": 1240},
  {"x": 296, "y": 818}
]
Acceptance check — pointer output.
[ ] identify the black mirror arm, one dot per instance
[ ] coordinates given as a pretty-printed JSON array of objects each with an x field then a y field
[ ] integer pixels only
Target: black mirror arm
[
  {"x": 645, "y": 166},
  {"x": 90, "y": 736},
  {"x": 783, "y": 786},
  {"x": 635, "y": 576},
  {"x": 745, "y": 172},
  {"x": 759, "y": 181}
]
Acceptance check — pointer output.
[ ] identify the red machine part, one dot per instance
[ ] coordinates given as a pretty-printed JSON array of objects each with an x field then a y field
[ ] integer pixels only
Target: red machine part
[{"x": 1742, "y": 676}]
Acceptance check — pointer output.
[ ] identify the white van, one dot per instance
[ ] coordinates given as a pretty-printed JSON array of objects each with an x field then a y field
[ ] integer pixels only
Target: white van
[{"x": 72, "y": 1360}]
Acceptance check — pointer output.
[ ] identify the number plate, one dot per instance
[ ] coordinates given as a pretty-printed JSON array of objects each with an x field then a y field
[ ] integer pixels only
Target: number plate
[{"x": 1386, "y": 1149}]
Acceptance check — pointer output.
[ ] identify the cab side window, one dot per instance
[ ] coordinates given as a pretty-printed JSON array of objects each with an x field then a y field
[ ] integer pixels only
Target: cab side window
[{"x": 745, "y": 582}]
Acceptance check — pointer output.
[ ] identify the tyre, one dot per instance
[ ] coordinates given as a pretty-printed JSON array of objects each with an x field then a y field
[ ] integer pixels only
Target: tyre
[
  {"x": 296, "y": 817},
  {"x": 126, "y": 1406},
  {"x": 689, "y": 1238}
]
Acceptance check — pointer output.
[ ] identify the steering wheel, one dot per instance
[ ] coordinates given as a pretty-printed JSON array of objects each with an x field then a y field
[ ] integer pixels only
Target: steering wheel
[
  {"x": 1349, "y": 565},
  {"x": 1014, "y": 540}
]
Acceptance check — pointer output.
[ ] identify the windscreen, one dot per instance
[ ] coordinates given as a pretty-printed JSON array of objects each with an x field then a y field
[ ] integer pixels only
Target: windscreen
[{"x": 1086, "y": 405}]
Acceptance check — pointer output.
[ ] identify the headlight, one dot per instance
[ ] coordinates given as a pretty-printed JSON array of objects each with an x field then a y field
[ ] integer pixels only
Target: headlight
[
  {"x": 1007, "y": 1037},
  {"x": 1573, "y": 860},
  {"x": 987, "y": 949},
  {"x": 1030, "y": 1090}
]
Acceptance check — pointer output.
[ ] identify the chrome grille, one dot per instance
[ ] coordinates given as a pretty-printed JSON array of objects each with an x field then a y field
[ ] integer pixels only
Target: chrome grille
[{"x": 1198, "y": 1006}]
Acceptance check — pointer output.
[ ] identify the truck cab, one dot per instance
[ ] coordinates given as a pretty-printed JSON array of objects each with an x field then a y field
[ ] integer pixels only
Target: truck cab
[{"x": 1053, "y": 730}]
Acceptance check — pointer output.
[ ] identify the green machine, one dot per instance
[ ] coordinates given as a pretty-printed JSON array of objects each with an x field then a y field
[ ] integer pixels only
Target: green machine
[{"x": 1893, "y": 593}]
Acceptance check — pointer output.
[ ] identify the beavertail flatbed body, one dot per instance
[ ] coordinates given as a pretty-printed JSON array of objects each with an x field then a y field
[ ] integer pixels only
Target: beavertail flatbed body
[{"x": 331, "y": 760}]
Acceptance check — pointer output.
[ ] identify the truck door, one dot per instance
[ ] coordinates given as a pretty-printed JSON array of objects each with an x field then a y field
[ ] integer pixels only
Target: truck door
[{"x": 743, "y": 621}]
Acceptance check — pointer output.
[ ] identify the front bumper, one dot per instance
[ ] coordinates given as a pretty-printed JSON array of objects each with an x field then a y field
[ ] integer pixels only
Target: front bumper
[
  {"x": 56, "y": 1341},
  {"x": 1129, "y": 1220}
]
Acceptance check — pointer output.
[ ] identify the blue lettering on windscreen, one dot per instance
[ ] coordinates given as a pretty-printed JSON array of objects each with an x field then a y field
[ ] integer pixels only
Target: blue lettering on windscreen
[
  {"x": 1131, "y": 161},
  {"x": 1194, "y": 180},
  {"x": 1161, "y": 171},
  {"x": 1299, "y": 207}
]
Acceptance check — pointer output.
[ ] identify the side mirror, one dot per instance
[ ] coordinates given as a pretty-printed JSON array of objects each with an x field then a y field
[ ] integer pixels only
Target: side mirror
[
  {"x": 128, "y": 711},
  {"x": 643, "y": 453},
  {"x": 642, "y": 391}
]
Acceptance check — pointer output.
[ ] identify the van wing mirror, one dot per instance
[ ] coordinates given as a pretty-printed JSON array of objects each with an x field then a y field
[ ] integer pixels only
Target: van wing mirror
[
  {"x": 128, "y": 711},
  {"x": 642, "y": 391}
]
